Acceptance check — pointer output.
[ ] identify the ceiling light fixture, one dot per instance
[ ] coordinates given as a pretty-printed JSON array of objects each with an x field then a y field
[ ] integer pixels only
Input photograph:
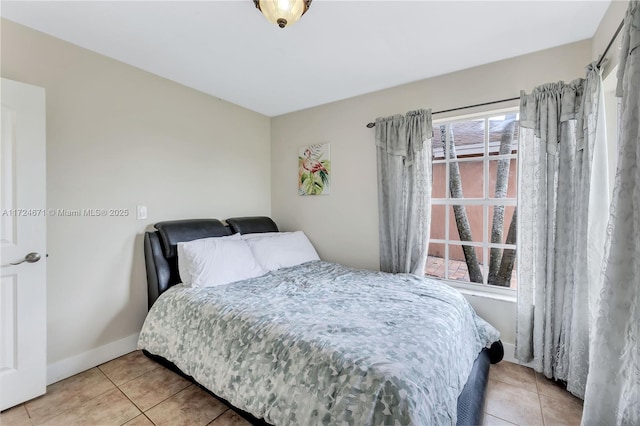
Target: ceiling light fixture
[{"x": 282, "y": 12}]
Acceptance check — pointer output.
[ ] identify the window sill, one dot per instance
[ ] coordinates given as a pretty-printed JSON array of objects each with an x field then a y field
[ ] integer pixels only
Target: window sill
[{"x": 505, "y": 295}]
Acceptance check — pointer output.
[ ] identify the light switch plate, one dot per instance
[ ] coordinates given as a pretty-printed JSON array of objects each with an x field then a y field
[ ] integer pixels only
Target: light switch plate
[{"x": 141, "y": 212}]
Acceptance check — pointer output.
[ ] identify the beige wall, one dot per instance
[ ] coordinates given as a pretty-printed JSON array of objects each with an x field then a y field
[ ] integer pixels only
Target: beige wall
[
  {"x": 118, "y": 137},
  {"x": 344, "y": 225}
]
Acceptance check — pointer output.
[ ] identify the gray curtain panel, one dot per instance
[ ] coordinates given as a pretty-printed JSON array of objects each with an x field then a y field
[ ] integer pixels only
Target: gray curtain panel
[
  {"x": 562, "y": 210},
  {"x": 404, "y": 190},
  {"x": 613, "y": 387}
]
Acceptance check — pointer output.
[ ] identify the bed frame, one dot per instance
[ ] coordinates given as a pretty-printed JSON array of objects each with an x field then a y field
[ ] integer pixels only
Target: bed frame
[{"x": 162, "y": 272}]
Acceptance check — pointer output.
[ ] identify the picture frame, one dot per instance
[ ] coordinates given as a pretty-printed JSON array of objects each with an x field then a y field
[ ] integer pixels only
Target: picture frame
[{"x": 314, "y": 169}]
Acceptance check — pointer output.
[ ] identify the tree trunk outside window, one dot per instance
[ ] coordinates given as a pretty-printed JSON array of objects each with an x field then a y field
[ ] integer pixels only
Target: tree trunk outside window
[
  {"x": 501, "y": 262},
  {"x": 460, "y": 212},
  {"x": 502, "y": 184}
]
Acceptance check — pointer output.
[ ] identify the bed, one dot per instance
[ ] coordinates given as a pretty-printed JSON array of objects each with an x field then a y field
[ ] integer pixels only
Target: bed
[{"x": 317, "y": 343}]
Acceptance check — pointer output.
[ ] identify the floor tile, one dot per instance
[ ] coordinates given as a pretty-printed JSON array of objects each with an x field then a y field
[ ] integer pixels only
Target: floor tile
[
  {"x": 128, "y": 367},
  {"x": 513, "y": 404},
  {"x": 153, "y": 387},
  {"x": 515, "y": 395},
  {"x": 554, "y": 389},
  {"x": 514, "y": 374},
  {"x": 561, "y": 412},
  {"x": 141, "y": 420},
  {"x": 111, "y": 408},
  {"x": 16, "y": 416},
  {"x": 230, "y": 418},
  {"x": 490, "y": 420},
  {"x": 68, "y": 393},
  {"x": 191, "y": 406}
]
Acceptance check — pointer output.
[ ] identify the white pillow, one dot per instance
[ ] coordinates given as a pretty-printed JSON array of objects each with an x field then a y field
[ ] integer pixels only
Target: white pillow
[
  {"x": 183, "y": 267},
  {"x": 183, "y": 270},
  {"x": 282, "y": 250},
  {"x": 215, "y": 261}
]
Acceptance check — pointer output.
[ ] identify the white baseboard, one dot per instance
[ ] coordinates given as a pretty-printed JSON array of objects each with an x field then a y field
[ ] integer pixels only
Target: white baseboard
[
  {"x": 78, "y": 363},
  {"x": 510, "y": 355},
  {"x": 509, "y": 352}
]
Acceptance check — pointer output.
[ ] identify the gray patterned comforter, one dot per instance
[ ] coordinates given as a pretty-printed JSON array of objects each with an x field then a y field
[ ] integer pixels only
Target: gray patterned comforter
[{"x": 321, "y": 343}]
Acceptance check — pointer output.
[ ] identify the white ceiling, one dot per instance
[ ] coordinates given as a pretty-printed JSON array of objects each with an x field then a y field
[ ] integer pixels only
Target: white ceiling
[{"x": 339, "y": 49}]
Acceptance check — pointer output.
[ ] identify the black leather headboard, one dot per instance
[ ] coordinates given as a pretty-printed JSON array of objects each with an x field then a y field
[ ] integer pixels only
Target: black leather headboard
[
  {"x": 160, "y": 247},
  {"x": 252, "y": 225}
]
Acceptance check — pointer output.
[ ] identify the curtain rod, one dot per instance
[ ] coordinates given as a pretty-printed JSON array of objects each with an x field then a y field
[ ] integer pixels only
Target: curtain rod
[
  {"x": 371, "y": 125},
  {"x": 606, "y": 50}
]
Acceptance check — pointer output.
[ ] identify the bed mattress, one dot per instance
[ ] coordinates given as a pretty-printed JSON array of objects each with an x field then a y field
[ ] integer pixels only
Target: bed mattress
[{"x": 321, "y": 343}]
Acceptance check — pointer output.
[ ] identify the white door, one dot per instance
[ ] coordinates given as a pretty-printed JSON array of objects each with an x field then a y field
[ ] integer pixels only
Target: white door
[{"x": 23, "y": 298}]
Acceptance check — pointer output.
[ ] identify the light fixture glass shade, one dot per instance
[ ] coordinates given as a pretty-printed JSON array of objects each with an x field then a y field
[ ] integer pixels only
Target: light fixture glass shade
[{"x": 282, "y": 12}]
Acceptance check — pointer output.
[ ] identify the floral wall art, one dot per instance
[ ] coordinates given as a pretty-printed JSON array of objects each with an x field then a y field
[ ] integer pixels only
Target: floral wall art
[{"x": 314, "y": 169}]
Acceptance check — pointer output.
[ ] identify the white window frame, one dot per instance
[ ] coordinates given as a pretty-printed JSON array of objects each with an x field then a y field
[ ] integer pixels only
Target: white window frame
[{"x": 485, "y": 202}]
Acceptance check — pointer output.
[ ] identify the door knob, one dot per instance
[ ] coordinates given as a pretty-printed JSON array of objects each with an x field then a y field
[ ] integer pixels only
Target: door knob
[{"x": 32, "y": 257}]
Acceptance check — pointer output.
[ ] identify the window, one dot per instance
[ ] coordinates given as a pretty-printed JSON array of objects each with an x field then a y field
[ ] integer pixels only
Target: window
[{"x": 473, "y": 213}]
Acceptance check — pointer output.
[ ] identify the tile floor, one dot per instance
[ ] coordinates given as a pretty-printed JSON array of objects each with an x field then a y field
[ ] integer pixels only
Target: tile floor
[{"x": 134, "y": 391}]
